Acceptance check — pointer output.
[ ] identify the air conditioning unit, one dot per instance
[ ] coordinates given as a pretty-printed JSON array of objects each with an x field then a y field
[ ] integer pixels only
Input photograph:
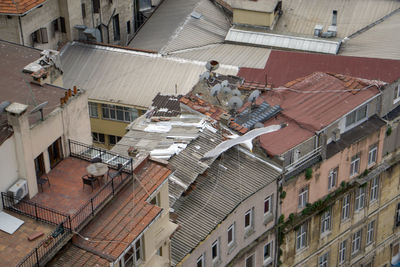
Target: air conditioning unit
[{"x": 19, "y": 190}]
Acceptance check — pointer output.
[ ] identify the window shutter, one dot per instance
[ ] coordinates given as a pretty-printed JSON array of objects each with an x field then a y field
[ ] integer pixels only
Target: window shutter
[
  {"x": 62, "y": 22},
  {"x": 43, "y": 35}
]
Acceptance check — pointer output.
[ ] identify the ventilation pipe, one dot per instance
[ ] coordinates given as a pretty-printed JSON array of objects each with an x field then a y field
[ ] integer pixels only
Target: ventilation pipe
[{"x": 334, "y": 17}]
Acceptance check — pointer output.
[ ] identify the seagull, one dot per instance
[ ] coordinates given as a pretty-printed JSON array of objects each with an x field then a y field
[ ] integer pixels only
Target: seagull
[{"x": 246, "y": 140}]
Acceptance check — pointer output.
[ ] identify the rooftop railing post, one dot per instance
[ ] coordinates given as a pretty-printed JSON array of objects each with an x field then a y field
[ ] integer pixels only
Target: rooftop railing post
[
  {"x": 112, "y": 186},
  {"x": 91, "y": 202},
  {"x": 131, "y": 161},
  {"x": 69, "y": 221},
  {"x": 2, "y": 201},
  {"x": 37, "y": 257},
  {"x": 36, "y": 213},
  {"x": 69, "y": 146}
]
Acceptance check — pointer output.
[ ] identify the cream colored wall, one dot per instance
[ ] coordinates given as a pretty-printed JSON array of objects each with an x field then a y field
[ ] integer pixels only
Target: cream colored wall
[
  {"x": 252, "y": 17},
  {"x": 8, "y": 165}
]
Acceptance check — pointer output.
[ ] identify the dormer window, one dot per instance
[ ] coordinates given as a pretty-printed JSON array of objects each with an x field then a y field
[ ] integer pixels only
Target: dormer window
[{"x": 357, "y": 116}]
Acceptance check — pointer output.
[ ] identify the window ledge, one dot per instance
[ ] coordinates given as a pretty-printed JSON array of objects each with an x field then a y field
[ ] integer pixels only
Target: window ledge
[
  {"x": 231, "y": 248},
  {"x": 268, "y": 218},
  {"x": 301, "y": 250},
  {"x": 217, "y": 262},
  {"x": 267, "y": 261},
  {"x": 249, "y": 232},
  {"x": 396, "y": 100}
]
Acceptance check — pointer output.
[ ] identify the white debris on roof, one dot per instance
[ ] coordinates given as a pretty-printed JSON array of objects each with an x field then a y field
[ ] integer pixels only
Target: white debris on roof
[{"x": 167, "y": 152}]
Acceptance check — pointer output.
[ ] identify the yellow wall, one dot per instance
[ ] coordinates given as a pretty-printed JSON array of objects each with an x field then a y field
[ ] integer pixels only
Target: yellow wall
[{"x": 252, "y": 17}]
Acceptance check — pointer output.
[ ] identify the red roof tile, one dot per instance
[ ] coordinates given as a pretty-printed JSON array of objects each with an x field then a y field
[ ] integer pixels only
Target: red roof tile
[
  {"x": 18, "y": 6},
  {"x": 324, "y": 100},
  {"x": 202, "y": 106},
  {"x": 285, "y": 66}
]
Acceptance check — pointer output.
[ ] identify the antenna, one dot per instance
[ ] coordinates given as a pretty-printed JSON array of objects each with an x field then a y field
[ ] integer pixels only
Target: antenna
[
  {"x": 236, "y": 92},
  {"x": 235, "y": 102},
  {"x": 226, "y": 90},
  {"x": 216, "y": 89},
  {"x": 39, "y": 108},
  {"x": 253, "y": 96}
]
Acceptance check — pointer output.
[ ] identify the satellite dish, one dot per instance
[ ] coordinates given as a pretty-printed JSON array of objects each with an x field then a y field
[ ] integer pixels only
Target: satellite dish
[
  {"x": 226, "y": 90},
  {"x": 39, "y": 108},
  {"x": 236, "y": 92},
  {"x": 4, "y": 105},
  {"x": 205, "y": 76},
  {"x": 216, "y": 89},
  {"x": 253, "y": 96},
  {"x": 224, "y": 83},
  {"x": 235, "y": 102}
]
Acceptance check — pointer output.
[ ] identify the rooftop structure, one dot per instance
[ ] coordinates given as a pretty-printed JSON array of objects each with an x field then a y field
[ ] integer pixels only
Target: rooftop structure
[
  {"x": 123, "y": 76},
  {"x": 183, "y": 24},
  {"x": 261, "y": 5}
]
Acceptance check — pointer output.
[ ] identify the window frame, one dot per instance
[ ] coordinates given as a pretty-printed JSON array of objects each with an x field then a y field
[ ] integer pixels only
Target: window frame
[
  {"x": 323, "y": 260},
  {"x": 270, "y": 249},
  {"x": 370, "y": 232},
  {"x": 357, "y": 116},
  {"x": 138, "y": 250},
  {"x": 345, "y": 214},
  {"x": 359, "y": 200},
  {"x": 201, "y": 261},
  {"x": 342, "y": 252},
  {"x": 374, "y": 191},
  {"x": 252, "y": 256},
  {"x": 372, "y": 153},
  {"x": 396, "y": 94},
  {"x": 267, "y": 200},
  {"x": 303, "y": 197},
  {"x": 397, "y": 222},
  {"x": 112, "y": 112},
  {"x": 301, "y": 236},
  {"x": 215, "y": 245},
  {"x": 98, "y": 137},
  {"x": 356, "y": 242},
  {"x": 326, "y": 221},
  {"x": 355, "y": 165},
  {"x": 232, "y": 229},
  {"x": 332, "y": 178},
  {"x": 250, "y": 225},
  {"x": 93, "y": 108}
]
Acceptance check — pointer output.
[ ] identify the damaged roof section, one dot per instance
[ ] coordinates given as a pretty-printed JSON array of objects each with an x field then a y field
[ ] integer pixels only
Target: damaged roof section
[{"x": 165, "y": 106}]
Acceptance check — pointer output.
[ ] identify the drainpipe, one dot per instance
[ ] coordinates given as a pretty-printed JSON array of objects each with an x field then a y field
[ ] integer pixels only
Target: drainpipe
[
  {"x": 20, "y": 28},
  {"x": 277, "y": 245}
]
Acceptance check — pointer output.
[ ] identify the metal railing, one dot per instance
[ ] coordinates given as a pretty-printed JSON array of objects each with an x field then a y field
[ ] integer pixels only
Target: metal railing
[
  {"x": 33, "y": 210},
  {"x": 304, "y": 159}
]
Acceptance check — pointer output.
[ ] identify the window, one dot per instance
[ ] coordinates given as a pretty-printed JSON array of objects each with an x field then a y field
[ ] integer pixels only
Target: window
[
  {"x": 118, "y": 113},
  {"x": 360, "y": 198},
  {"x": 355, "y": 165},
  {"x": 248, "y": 219},
  {"x": 398, "y": 214},
  {"x": 159, "y": 251},
  {"x": 62, "y": 25},
  {"x": 303, "y": 197},
  {"x": 138, "y": 250},
  {"x": 342, "y": 252},
  {"x": 267, "y": 251},
  {"x": 396, "y": 94},
  {"x": 215, "y": 250},
  {"x": 56, "y": 27},
  {"x": 83, "y": 7},
  {"x": 117, "y": 33},
  {"x": 155, "y": 200},
  {"x": 370, "y": 232},
  {"x": 96, "y": 6},
  {"x": 374, "y": 189},
  {"x": 249, "y": 262},
  {"x": 356, "y": 242},
  {"x": 323, "y": 260},
  {"x": 267, "y": 205},
  {"x": 231, "y": 234},
  {"x": 93, "y": 110},
  {"x": 40, "y": 36},
  {"x": 128, "y": 26},
  {"x": 357, "y": 116},
  {"x": 372, "y": 154},
  {"x": 346, "y": 207},
  {"x": 301, "y": 236},
  {"x": 200, "y": 261},
  {"x": 332, "y": 178},
  {"x": 98, "y": 137},
  {"x": 326, "y": 221},
  {"x": 112, "y": 139}
]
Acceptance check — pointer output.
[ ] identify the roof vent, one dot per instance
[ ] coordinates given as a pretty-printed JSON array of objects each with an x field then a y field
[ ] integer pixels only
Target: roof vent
[
  {"x": 195, "y": 15},
  {"x": 334, "y": 17},
  {"x": 318, "y": 30}
]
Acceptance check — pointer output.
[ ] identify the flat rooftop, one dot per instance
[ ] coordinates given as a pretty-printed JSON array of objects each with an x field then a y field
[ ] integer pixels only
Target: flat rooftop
[{"x": 14, "y": 247}]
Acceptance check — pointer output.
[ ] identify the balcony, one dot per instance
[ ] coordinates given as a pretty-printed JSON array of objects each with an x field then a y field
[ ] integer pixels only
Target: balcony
[{"x": 303, "y": 163}]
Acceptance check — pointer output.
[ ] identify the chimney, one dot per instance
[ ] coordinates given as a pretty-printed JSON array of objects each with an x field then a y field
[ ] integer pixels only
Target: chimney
[{"x": 334, "y": 17}]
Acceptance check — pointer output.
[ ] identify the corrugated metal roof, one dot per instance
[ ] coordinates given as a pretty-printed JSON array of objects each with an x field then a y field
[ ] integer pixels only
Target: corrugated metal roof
[
  {"x": 283, "y": 41},
  {"x": 216, "y": 195},
  {"x": 300, "y": 17},
  {"x": 380, "y": 41},
  {"x": 129, "y": 77},
  {"x": 260, "y": 5},
  {"x": 172, "y": 27},
  {"x": 230, "y": 54}
]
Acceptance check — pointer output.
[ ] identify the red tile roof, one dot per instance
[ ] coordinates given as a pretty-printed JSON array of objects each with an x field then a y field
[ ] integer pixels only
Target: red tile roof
[
  {"x": 310, "y": 104},
  {"x": 18, "y": 6},
  {"x": 202, "y": 106},
  {"x": 285, "y": 66},
  {"x": 126, "y": 217}
]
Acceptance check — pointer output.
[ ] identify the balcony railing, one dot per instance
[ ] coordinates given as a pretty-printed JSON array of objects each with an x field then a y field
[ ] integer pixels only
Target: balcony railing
[{"x": 302, "y": 163}]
